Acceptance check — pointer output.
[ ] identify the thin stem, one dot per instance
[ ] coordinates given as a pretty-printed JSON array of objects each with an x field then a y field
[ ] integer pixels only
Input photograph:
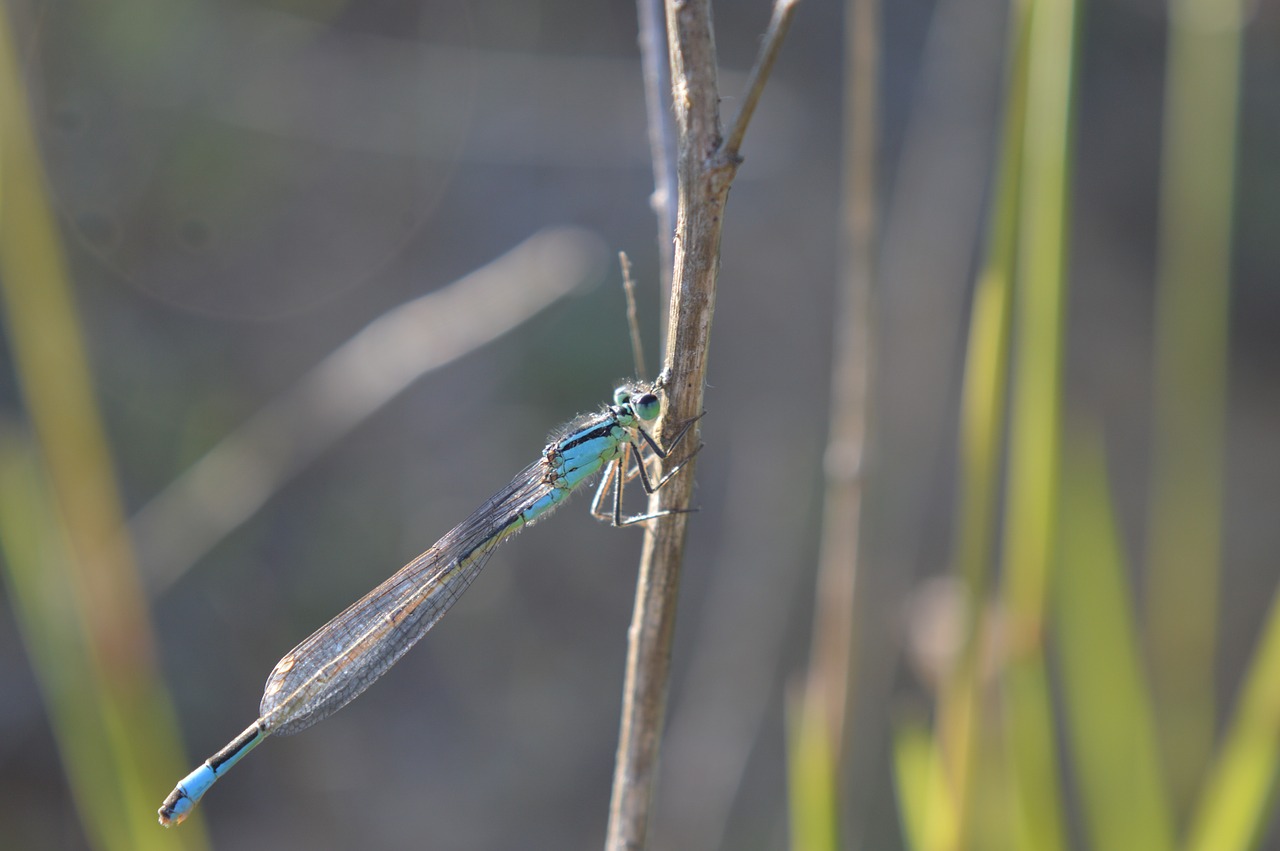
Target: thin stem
[
  {"x": 633, "y": 323},
  {"x": 662, "y": 137},
  {"x": 829, "y": 683},
  {"x": 779, "y": 23},
  {"x": 703, "y": 189}
]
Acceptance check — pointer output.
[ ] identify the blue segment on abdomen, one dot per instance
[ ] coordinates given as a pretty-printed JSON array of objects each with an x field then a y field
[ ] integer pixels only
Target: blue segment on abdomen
[
  {"x": 192, "y": 787},
  {"x": 574, "y": 476},
  {"x": 576, "y": 460},
  {"x": 581, "y": 460},
  {"x": 553, "y": 497}
]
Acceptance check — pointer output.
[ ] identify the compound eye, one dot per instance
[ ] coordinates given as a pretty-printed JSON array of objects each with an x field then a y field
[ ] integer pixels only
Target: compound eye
[
  {"x": 647, "y": 407},
  {"x": 622, "y": 396}
]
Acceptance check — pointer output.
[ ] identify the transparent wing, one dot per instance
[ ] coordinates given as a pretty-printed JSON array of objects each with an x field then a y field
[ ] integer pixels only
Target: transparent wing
[{"x": 345, "y": 656}]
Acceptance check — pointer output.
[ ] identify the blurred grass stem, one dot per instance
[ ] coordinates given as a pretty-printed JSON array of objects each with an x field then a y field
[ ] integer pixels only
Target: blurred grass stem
[
  {"x": 820, "y": 711},
  {"x": 68, "y": 559},
  {"x": 1035, "y": 426},
  {"x": 1107, "y": 702},
  {"x": 237, "y": 476},
  {"x": 1238, "y": 794},
  {"x": 962, "y": 710},
  {"x": 656, "y": 69},
  {"x": 1184, "y": 533}
]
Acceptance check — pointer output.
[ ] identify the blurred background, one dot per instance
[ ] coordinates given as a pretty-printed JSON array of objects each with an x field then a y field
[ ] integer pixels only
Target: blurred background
[{"x": 238, "y": 188}]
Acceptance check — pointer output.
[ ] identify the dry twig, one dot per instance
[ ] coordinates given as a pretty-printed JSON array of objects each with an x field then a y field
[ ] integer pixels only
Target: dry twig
[{"x": 706, "y": 166}]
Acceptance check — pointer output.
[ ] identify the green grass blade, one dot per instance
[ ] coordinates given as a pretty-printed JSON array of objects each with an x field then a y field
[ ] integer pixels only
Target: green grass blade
[
  {"x": 811, "y": 777},
  {"x": 134, "y": 750},
  {"x": 986, "y": 371},
  {"x": 1035, "y": 424},
  {"x": 924, "y": 801},
  {"x": 984, "y": 398},
  {"x": 114, "y": 797},
  {"x": 1236, "y": 803},
  {"x": 50, "y": 628},
  {"x": 1108, "y": 707},
  {"x": 1184, "y": 535}
]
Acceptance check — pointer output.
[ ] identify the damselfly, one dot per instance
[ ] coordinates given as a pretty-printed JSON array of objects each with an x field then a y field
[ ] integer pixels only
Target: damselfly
[{"x": 345, "y": 656}]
